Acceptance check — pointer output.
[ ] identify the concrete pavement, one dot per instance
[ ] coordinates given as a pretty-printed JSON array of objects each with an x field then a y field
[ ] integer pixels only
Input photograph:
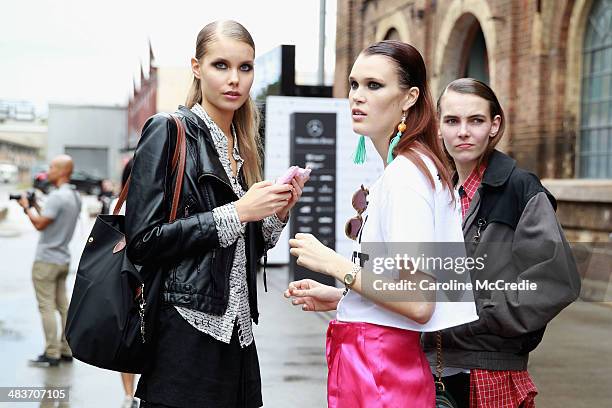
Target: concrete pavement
[{"x": 572, "y": 367}]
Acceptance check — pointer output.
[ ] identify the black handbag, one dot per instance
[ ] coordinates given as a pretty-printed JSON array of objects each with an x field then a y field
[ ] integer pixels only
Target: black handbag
[
  {"x": 114, "y": 304},
  {"x": 443, "y": 397}
]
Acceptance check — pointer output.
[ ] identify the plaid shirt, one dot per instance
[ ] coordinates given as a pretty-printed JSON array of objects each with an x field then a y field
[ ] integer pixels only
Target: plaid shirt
[
  {"x": 469, "y": 188},
  {"x": 501, "y": 389},
  {"x": 495, "y": 389}
]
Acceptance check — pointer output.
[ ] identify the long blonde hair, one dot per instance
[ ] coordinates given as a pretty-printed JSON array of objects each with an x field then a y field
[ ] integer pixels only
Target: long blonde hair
[{"x": 246, "y": 118}]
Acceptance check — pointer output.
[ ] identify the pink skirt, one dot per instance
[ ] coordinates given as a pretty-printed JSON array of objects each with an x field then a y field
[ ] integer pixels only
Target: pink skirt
[{"x": 372, "y": 366}]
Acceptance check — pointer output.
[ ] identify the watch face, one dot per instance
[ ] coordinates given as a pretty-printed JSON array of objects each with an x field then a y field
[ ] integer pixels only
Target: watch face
[{"x": 349, "y": 278}]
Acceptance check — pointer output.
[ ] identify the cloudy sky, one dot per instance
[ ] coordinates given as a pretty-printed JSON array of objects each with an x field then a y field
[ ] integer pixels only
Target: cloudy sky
[{"x": 86, "y": 51}]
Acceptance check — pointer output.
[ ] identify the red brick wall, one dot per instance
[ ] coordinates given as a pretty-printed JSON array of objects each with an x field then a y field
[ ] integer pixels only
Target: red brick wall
[
  {"x": 530, "y": 68},
  {"x": 142, "y": 105}
]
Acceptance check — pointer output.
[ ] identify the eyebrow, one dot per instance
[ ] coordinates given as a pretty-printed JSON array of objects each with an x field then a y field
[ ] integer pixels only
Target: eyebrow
[
  {"x": 368, "y": 79},
  {"x": 225, "y": 60},
  {"x": 475, "y": 115}
]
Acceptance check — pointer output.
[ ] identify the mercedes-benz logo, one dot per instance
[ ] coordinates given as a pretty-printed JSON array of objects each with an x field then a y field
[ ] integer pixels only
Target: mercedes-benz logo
[{"x": 314, "y": 128}]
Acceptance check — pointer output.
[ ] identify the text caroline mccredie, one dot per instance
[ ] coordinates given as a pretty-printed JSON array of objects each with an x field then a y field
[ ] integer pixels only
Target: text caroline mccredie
[{"x": 453, "y": 285}]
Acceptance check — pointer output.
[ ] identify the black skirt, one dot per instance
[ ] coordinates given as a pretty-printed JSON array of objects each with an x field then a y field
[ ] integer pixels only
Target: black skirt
[{"x": 192, "y": 369}]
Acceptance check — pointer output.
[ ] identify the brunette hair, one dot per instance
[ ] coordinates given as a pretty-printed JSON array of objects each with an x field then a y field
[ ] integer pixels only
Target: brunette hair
[
  {"x": 246, "y": 118},
  {"x": 471, "y": 86},
  {"x": 421, "y": 134}
]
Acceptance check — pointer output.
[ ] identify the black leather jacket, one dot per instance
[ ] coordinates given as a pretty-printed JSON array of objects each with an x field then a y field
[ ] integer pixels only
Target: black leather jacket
[{"x": 187, "y": 251}]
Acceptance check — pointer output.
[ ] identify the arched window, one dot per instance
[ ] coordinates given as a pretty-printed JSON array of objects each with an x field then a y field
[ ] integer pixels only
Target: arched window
[
  {"x": 392, "y": 34},
  {"x": 477, "y": 60},
  {"x": 595, "y": 151}
]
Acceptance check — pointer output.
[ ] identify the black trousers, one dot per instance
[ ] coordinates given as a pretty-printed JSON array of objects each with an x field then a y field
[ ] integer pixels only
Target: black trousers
[{"x": 192, "y": 369}]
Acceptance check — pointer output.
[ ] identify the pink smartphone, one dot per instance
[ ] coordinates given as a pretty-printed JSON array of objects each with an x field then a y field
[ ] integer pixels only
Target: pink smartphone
[
  {"x": 303, "y": 173},
  {"x": 288, "y": 175},
  {"x": 292, "y": 172}
]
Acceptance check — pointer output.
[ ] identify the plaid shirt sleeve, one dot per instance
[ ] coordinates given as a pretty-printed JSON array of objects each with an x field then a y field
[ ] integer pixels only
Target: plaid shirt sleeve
[{"x": 501, "y": 389}]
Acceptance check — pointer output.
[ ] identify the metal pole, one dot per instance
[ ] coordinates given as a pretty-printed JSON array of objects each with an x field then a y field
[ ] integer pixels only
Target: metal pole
[{"x": 321, "y": 71}]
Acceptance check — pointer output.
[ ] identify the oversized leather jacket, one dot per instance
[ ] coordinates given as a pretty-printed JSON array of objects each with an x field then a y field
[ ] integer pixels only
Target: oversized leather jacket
[
  {"x": 512, "y": 222},
  {"x": 187, "y": 251}
]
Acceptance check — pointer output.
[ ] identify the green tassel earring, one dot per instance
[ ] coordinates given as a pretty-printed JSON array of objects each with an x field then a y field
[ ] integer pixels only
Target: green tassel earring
[
  {"x": 359, "y": 157},
  {"x": 396, "y": 139}
]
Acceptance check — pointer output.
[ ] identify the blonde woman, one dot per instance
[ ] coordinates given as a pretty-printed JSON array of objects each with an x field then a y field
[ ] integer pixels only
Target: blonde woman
[{"x": 205, "y": 353}]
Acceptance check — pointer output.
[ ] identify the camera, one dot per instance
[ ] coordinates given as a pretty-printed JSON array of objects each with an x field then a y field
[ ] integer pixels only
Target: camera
[{"x": 30, "y": 195}]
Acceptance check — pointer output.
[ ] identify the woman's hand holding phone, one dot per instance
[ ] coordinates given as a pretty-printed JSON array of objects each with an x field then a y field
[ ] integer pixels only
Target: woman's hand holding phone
[
  {"x": 265, "y": 198},
  {"x": 296, "y": 177},
  {"x": 262, "y": 200}
]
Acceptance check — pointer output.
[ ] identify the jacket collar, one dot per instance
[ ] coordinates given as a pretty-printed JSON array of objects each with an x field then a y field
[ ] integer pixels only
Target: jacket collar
[
  {"x": 194, "y": 120},
  {"x": 209, "y": 157},
  {"x": 499, "y": 168}
]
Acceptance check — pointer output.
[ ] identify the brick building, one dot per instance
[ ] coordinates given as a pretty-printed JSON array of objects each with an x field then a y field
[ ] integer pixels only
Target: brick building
[
  {"x": 161, "y": 90},
  {"x": 142, "y": 103},
  {"x": 548, "y": 61}
]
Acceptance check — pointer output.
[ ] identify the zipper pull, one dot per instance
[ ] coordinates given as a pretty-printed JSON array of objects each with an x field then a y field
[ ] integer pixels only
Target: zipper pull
[
  {"x": 142, "y": 304},
  {"x": 481, "y": 223}
]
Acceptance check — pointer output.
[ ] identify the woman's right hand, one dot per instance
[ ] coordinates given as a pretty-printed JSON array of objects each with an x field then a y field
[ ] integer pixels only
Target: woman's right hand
[
  {"x": 313, "y": 296},
  {"x": 262, "y": 200}
]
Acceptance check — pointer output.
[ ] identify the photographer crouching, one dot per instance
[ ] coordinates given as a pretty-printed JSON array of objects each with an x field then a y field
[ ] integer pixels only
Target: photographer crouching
[{"x": 56, "y": 222}]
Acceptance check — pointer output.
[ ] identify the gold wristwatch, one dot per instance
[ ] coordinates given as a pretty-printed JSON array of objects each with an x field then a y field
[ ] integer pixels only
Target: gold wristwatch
[{"x": 349, "y": 278}]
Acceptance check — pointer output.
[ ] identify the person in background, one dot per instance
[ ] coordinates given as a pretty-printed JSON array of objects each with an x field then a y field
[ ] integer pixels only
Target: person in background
[
  {"x": 106, "y": 196},
  {"x": 56, "y": 223}
]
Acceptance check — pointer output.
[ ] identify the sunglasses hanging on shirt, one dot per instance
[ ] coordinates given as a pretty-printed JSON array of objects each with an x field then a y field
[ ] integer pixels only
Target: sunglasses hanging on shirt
[{"x": 360, "y": 204}]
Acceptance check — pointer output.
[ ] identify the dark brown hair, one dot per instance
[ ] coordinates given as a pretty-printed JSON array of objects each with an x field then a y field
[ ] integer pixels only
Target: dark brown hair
[
  {"x": 246, "y": 118},
  {"x": 421, "y": 134},
  {"x": 471, "y": 86}
]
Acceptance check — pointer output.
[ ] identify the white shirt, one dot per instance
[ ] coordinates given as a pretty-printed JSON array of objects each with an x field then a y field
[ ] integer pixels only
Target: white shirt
[{"x": 402, "y": 207}]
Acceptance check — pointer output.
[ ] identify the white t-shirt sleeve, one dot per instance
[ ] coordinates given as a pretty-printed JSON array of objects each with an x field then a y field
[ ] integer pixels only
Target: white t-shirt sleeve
[{"x": 408, "y": 205}]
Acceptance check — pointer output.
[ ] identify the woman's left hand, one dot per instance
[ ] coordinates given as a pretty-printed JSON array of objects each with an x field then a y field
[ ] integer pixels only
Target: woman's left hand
[
  {"x": 312, "y": 254},
  {"x": 298, "y": 186}
]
